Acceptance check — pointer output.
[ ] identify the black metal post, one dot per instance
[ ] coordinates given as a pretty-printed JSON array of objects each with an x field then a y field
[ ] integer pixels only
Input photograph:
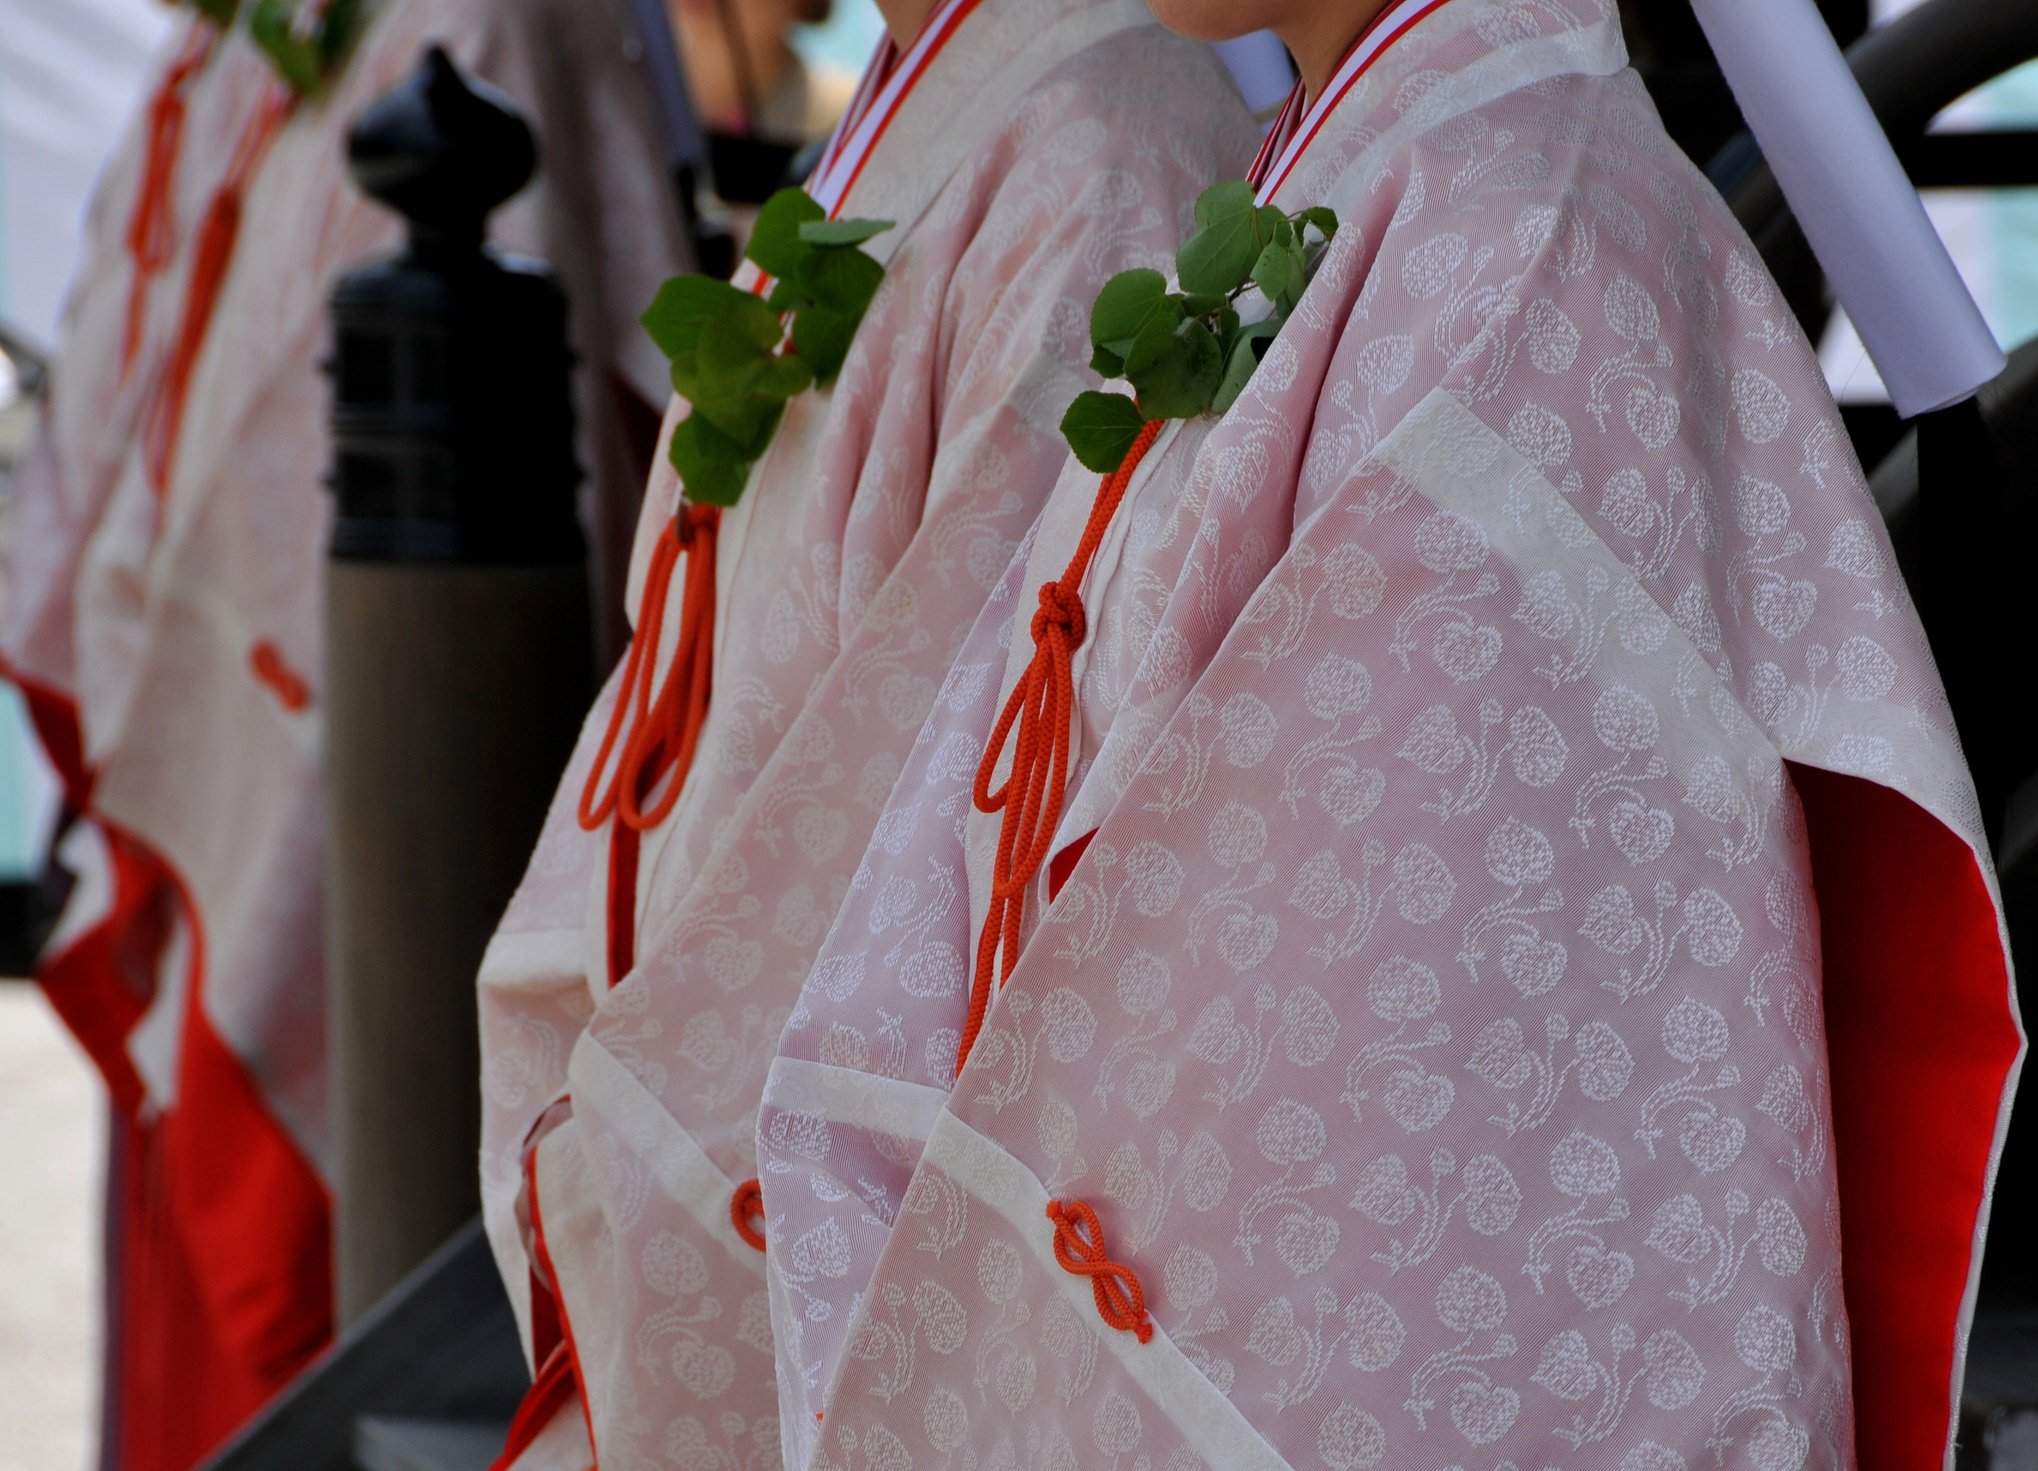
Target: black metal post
[{"x": 457, "y": 652}]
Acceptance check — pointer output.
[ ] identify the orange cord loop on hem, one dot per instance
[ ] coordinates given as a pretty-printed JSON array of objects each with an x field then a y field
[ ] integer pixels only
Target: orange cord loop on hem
[
  {"x": 1079, "y": 1247},
  {"x": 746, "y": 1213},
  {"x": 664, "y": 732},
  {"x": 1039, "y": 711}
]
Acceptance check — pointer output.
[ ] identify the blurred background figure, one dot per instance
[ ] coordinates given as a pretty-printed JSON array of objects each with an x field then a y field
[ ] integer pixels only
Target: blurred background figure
[
  {"x": 164, "y": 547},
  {"x": 70, "y": 75},
  {"x": 769, "y": 78},
  {"x": 748, "y": 76}
]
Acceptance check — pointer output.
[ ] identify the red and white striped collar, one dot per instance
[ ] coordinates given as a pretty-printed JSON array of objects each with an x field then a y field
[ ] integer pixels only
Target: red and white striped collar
[
  {"x": 887, "y": 82},
  {"x": 1296, "y": 126}
]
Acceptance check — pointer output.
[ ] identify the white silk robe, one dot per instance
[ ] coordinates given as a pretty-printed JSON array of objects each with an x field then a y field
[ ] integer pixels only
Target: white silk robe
[
  {"x": 1050, "y": 144},
  {"x": 1520, "y": 902},
  {"x": 166, "y": 621}
]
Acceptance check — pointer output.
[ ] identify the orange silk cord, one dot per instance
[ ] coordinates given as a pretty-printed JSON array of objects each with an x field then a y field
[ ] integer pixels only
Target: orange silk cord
[
  {"x": 213, "y": 253},
  {"x": 663, "y": 732},
  {"x": 1040, "y": 709},
  {"x": 746, "y": 1213},
  {"x": 149, "y": 225},
  {"x": 1121, "y": 1301}
]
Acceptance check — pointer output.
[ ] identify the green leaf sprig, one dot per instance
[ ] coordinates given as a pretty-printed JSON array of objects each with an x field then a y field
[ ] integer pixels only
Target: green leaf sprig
[
  {"x": 738, "y": 359},
  {"x": 306, "y": 41},
  {"x": 1186, "y": 353}
]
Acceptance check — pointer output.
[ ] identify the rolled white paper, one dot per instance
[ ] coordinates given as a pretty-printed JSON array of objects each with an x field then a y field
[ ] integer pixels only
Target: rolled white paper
[{"x": 1865, "y": 222}]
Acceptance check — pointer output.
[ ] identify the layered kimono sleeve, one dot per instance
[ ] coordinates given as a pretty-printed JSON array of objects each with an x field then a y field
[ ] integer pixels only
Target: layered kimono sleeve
[
  {"x": 1497, "y": 995},
  {"x": 963, "y": 367}
]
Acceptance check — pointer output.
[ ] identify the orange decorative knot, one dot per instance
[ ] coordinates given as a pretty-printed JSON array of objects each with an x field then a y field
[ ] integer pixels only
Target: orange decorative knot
[
  {"x": 285, "y": 683},
  {"x": 746, "y": 1213},
  {"x": 663, "y": 732},
  {"x": 1121, "y": 1301},
  {"x": 1040, "y": 709}
]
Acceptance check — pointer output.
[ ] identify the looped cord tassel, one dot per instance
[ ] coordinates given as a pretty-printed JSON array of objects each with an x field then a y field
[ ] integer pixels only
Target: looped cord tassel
[
  {"x": 663, "y": 732},
  {"x": 1121, "y": 1301},
  {"x": 212, "y": 254},
  {"x": 1039, "y": 711},
  {"x": 746, "y": 1213},
  {"x": 150, "y": 224}
]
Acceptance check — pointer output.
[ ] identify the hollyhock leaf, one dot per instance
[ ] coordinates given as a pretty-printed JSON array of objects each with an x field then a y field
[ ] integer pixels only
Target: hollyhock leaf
[
  {"x": 1130, "y": 302},
  {"x": 683, "y": 306},
  {"x": 1276, "y": 271},
  {"x": 1100, "y": 428},
  {"x": 842, "y": 232},
  {"x": 1176, "y": 376},
  {"x": 776, "y": 243},
  {"x": 841, "y": 280},
  {"x": 1218, "y": 259},
  {"x": 1242, "y": 362},
  {"x": 712, "y": 467}
]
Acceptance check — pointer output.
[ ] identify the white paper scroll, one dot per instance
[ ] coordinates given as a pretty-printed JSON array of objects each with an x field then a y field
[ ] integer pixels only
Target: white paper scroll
[{"x": 1865, "y": 222}]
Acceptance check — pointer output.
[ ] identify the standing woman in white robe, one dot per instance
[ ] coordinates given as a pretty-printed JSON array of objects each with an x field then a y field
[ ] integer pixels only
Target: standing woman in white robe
[
  {"x": 164, "y": 558},
  {"x": 1024, "y": 151},
  {"x": 1517, "y": 904}
]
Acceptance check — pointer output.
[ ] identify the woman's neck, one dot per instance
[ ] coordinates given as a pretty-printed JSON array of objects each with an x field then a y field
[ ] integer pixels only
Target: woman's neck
[
  {"x": 1319, "y": 35},
  {"x": 903, "y": 18}
]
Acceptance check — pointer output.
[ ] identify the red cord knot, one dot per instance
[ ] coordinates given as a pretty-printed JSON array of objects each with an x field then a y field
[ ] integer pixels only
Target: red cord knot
[
  {"x": 1063, "y": 610},
  {"x": 746, "y": 1214},
  {"x": 285, "y": 683},
  {"x": 1079, "y": 1247},
  {"x": 1035, "y": 722},
  {"x": 695, "y": 521},
  {"x": 662, "y": 731}
]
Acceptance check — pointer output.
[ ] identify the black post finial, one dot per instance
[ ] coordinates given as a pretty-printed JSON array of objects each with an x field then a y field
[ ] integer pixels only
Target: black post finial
[{"x": 441, "y": 150}]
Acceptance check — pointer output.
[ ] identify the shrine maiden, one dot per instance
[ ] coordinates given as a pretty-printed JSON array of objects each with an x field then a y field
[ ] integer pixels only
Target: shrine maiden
[
  {"x": 1433, "y": 901},
  {"x": 788, "y": 649},
  {"x": 163, "y": 558}
]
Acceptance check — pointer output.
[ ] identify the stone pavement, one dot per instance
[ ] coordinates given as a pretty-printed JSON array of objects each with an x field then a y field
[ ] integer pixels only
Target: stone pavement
[{"x": 51, "y": 1138}]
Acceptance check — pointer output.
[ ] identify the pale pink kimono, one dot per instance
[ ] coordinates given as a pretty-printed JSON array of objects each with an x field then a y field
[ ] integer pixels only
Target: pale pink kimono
[
  {"x": 165, "y": 613},
  {"x": 1048, "y": 145},
  {"x": 1519, "y": 899}
]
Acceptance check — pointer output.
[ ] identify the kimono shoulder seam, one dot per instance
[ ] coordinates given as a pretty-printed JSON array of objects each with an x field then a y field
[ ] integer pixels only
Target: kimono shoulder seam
[{"x": 1460, "y": 463}]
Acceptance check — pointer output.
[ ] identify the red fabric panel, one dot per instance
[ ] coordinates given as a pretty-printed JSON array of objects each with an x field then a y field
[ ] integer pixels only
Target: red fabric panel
[
  {"x": 101, "y": 983},
  {"x": 221, "y": 1227},
  {"x": 180, "y": 1389},
  {"x": 1922, "y": 1043},
  {"x": 255, "y": 1216},
  {"x": 1064, "y": 863}
]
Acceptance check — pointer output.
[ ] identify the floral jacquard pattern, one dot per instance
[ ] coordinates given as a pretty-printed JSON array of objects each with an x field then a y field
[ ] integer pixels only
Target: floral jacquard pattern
[
  {"x": 1427, "y": 991},
  {"x": 871, "y": 534}
]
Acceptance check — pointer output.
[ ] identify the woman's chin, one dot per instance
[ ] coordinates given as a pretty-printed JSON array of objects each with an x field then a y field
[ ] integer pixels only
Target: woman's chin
[{"x": 1205, "y": 20}]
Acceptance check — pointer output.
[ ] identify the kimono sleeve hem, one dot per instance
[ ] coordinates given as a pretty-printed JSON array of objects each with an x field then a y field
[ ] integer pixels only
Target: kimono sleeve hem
[{"x": 1204, "y": 1415}]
